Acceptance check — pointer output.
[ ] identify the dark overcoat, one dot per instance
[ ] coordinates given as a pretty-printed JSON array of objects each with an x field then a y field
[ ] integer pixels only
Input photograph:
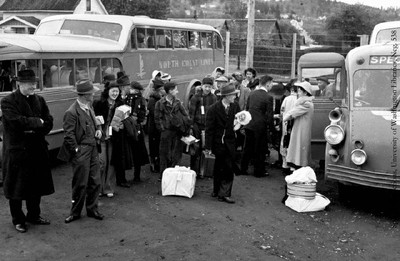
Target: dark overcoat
[
  {"x": 26, "y": 161},
  {"x": 260, "y": 106},
  {"x": 139, "y": 151},
  {"x": 219, "y": 129}
]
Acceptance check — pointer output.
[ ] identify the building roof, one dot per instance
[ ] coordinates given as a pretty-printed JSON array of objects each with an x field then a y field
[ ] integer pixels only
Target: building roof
[
  {"x": 17, "y": 5},
  {"x": 30, "y": 19}
]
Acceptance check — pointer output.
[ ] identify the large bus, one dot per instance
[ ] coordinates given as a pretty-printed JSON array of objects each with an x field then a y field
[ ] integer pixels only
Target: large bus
[
  {"x": 331, "y": 66},
  {"x": 66, "y": 48},
  {"x": 363, "y": 134}
]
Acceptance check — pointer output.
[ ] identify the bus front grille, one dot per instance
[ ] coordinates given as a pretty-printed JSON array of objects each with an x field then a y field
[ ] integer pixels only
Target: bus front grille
[{"x": 363, "y": 177}]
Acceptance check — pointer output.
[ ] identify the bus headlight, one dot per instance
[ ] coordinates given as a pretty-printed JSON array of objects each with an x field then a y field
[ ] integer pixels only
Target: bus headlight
[
  {"x": 334, "y": 134},
  {"x": 358, "y": 157}
]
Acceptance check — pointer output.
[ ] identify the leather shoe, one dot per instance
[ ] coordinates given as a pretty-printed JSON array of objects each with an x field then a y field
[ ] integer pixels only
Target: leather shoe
[
  {"x": 39, "y": 221},
  {"x": 214, "y": 195},
  {"x": 96, "y": 215},
  {"x": 20, "y": 228},
  {"x": 226, "y": 199},
  {"x": 71, "y": 218}
]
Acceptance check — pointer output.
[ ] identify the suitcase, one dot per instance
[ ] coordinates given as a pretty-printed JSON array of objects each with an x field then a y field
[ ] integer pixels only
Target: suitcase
[
  {"x": 178, "y": 181},
  {"x": 207, "y": 164}
]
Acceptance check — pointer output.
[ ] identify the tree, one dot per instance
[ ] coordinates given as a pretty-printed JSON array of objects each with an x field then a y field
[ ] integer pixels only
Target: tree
[
  {"x": 152, "y": 8},
  {"x": 236, "y": 9},
  {"x": 350, "y": 21}
]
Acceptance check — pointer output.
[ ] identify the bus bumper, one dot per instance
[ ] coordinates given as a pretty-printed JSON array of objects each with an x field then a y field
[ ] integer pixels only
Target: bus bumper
[{"x": 363, "y": 177}]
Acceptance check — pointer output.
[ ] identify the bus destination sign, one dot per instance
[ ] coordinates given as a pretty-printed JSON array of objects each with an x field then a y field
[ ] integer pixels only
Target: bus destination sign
[{"x": 383, "y": 59}]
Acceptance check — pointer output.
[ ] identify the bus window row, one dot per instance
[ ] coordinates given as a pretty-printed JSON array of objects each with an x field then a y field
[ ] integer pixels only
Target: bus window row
[
  {"x": 58, "y": 72},
  {"x": 151, "y": 38}
]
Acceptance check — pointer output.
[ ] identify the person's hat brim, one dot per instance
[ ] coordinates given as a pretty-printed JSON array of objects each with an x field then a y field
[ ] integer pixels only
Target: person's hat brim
[
  {"x": 95, "y": 89},
  {"x": 230, "y": 93}
]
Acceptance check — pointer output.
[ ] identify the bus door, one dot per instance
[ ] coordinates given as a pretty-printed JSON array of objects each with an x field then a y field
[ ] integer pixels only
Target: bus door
[{"x": 327, "y": 75}]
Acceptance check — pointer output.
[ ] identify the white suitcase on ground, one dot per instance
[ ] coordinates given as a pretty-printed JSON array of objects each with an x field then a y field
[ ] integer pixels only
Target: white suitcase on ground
[{"x": 178, "y": 181}]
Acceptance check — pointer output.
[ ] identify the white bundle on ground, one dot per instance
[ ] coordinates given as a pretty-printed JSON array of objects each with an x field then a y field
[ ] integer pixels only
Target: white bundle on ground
[
  {"x": 178, "y": 181},
  {"x": 302, "y": 175},
  {"x": 301, "y": 191}
]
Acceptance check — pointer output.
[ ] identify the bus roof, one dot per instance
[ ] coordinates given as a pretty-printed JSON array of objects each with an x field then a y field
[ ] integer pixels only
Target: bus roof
[
  {"x": 128, "y": 21},
  {"x": 384, "y": 26},
  {"x": 324, "y": 59},
  {"x": 57, "y": 43}
]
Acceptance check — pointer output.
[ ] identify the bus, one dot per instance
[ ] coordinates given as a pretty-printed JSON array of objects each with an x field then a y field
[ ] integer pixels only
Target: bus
[
  {"x": 67, "y": 48},
  {"x": 363, "y": 133},
  {"x": 331, "y": 66},
  {"x": 382, "y": 32}
]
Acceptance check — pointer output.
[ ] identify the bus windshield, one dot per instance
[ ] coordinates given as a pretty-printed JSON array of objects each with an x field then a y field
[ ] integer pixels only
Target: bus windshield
[
  {"x": 376, "y": 88},
  {"x": 111, "y": 31},
  {"x": 386, "y": 35},
  {"x": 312, "y": 75}
]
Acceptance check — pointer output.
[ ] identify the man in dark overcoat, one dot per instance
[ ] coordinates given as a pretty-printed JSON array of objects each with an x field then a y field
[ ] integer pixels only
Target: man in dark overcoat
[
  {"x": 26, "y": 170},
  {"x": 260, "y": 106},
  {"x": 220, "y": 139},
  {"x": 81, "y": 132}
]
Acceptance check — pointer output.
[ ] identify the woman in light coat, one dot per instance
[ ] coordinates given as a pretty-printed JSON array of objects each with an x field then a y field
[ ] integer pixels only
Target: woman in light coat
[{"x": 299, "y": 150}]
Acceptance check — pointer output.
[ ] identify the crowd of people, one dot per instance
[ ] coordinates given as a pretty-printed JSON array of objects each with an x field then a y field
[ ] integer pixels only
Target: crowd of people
[{"x": 105, "y": 137}]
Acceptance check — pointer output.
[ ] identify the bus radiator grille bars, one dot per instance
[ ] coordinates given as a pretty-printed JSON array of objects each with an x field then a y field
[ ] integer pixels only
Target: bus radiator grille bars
[{"x": 363, "y": 177}]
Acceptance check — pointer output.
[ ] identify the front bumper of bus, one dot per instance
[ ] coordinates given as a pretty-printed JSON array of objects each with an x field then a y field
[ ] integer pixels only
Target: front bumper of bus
[{"x": 363, "y": 177}]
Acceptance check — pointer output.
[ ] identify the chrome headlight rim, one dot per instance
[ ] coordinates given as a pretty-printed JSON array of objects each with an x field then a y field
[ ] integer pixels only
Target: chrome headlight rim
[
  {"x": 362, "y": 152},
  {"x": 330, "y": 140}
]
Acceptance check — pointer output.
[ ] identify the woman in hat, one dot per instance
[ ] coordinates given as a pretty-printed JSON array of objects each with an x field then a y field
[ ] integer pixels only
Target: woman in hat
[
  {"x": 154, "y": 133},
  {"x": 287, "y": 104},
  {"x": 299, "y": 150},
  {"x": 138, "y": 114},
  {"x": 105, "y": 107},
  {"x": 155, "y": 77}
]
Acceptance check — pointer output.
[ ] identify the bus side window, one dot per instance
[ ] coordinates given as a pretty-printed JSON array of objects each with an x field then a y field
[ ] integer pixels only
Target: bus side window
[
  {"x": 66, "y": 73},
  {"x": 81, "y": 69},
  {"x": 163, "y": 41},
  {"x": 151, "y": 38},
  {"x": 6, "y": 84},
  {"x": 206, "y": 40},
  {"x": 194, "y": 40},
  {"x": 180, "y": 39},
  {"x": 217, "y": 41},
  {"x": 168, "y": 38},
  {"x": 141, "y": 36},
  {"x": 94, "y": 70},
  {"x": 133, "y": 39},
  {"x": 50, "y": 73}
]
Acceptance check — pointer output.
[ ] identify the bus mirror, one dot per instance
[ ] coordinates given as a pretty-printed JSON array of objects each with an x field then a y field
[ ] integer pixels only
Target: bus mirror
[{"x": 335, "y": 115}]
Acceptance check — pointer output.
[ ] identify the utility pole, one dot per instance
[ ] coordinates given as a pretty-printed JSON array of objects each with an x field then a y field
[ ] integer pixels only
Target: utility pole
[{"x": 251, "y": 4}]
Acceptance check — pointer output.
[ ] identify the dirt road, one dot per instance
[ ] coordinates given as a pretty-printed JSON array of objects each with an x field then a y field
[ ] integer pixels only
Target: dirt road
[{"x": 140, "y": 224}]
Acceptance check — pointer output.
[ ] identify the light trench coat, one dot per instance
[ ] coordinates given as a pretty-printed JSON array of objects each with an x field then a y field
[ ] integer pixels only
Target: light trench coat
[{"x": 299, "y": 150}]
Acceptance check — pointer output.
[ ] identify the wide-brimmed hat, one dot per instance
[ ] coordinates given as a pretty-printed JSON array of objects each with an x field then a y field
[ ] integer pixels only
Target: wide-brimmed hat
[
  {"x": 228, "y": 90},
  {"x": 85, "y": 86},
  {"x": 27, "y": 76},
  {"x": 323, "y": 78},
  {"x": 165, "y": 77},
  {"x": 136, "y": 85},
  {"x": 108, "y": 78},
  {"x": 221, "y": 79},
  {"x": 155, "y": 73},
  {"x": 278, "y": 89},
  {"x": 305, "y": 85},
  {"x": 123, "y": 80}
]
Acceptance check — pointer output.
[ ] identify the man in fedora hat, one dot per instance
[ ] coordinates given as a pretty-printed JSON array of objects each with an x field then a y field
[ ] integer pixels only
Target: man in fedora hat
[
  {"x": 81, "y": 133},
  {"x": 260, "y": 106},
  {"x": 26, "y": 169},
  {"x": 220, "y": 139},
  {"x": 326, "y": 89}
]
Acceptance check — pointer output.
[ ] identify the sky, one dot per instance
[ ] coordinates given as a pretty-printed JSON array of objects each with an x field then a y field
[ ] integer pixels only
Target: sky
[{"x": 374, "y": 3}]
